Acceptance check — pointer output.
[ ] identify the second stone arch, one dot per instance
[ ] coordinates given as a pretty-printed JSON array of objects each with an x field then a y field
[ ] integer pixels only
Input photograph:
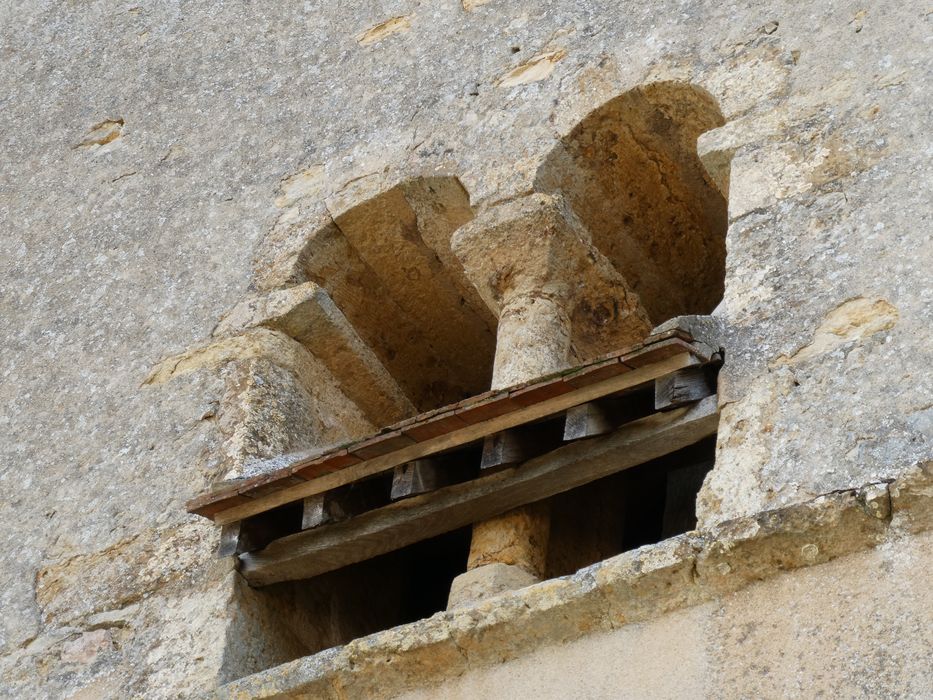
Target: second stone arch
[{"x": 625, "y": 231}]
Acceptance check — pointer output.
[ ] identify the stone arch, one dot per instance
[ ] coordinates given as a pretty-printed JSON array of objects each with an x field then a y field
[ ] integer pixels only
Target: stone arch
[
  {"x": 387, "y": 265},
  {"x": 631, "y": 173}
]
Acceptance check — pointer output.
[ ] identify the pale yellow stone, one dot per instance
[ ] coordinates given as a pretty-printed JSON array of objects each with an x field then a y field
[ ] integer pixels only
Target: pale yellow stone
[
  {"x": 852, "y": 320},
  {"x": 533, "y": 70},
  {"x": 384, "y": 29}
]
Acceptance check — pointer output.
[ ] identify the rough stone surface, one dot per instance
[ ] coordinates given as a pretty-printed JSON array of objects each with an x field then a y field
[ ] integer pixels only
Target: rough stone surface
[
  {"x": 837, "y": 630},
  {"x": 163, "y": 162}
]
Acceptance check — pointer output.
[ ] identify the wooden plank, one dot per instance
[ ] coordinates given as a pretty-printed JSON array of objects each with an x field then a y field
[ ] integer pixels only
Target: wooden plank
[
  {"x": 440, "y": 425},
  {"x": 209, "y": 509},
  {"x": 380, "y": 445},
  {"x": 230, "y": 540},
  {"x": 340, "y": 504},
  {"x": 504, "y": 449},
  {"x": 682, "y": 387},
  {"x": 314, "y": 552},
  {"x": 318, "y": 510},
  {"x": 332, "y": 463},
  {"x": 417, "y": 477},
  {"x": 540, "y": 391},
  {"x": 498, "y": 404},
  {"x": 457, "y": 438},
  {"x": 273, "y": 484},
  {"x": 586, "y": 420},
  {"x": 596, "y": 373},
  {"x": 658, "y": 351}
]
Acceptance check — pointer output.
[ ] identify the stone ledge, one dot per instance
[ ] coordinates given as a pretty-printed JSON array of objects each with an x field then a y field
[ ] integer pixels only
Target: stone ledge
[{"x": 633, "y": 586}]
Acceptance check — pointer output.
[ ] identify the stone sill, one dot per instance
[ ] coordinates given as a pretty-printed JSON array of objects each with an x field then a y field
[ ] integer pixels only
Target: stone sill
[{"x": 631, "y": 587}]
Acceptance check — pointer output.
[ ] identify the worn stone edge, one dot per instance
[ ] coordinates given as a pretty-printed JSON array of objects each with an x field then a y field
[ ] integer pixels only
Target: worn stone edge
[{"x": 634, "y": 586}]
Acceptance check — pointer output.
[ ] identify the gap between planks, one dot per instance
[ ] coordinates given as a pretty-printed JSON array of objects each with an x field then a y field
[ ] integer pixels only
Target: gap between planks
[{"x": 456, "y": 438}]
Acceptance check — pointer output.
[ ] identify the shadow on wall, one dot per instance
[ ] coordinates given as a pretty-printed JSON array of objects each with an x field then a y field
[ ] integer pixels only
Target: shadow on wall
[{"x": 631, "y": 173}]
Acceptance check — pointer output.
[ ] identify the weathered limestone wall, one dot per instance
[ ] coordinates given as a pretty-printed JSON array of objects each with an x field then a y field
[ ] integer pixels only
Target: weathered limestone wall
[
  {"x": 152, "y": 154},
  {"x": 838, "y": 630}
]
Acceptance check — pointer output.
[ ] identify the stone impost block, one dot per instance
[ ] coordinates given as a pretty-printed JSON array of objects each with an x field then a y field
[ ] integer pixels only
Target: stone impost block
[
  {"x": 534, "y": 265},
  {"x": 307, "y": 314}
]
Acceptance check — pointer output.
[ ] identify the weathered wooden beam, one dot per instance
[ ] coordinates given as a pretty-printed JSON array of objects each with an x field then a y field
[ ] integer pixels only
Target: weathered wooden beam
[
  {"x": 256, "y": 532},
  {"x": 230, "y": 540},
  {"x": 417, "y": 477},
  {"x": 399, "y": 524},
  {"x": 586, "y": 420},
  {"x": 685, "y": 386},
  {"x": 463, "y": 436},
  {"x": 505, "y": 449},
  {"x": 340, "y": 504}
]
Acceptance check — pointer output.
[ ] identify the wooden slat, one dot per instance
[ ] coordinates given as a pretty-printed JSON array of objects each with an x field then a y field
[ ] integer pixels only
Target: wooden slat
[
  {"x": 417, "y": 477},
  {"x": 586, "y": 420},
  {"x": 380, "y": 445},
  {"x": 504, "y": 449},
  {"x": 218, "y": 503},
  {"x": 596, "y": 373},
  {"x": 342, "y": 503},
  {"x": 658, "y": 351},
  {"x": 230, "y": 540},
  {"x": 494, "y": 406},
  {"x": 447, "y": 419},
  {"x": 332, "y": 463},
  {"x": 314, "y": 552},
  {"x": 457, "y": 438},
  {"x": 441, "y": 425},
  {"x": 540, "y": 391},
  {"x": 318, "y": 510},
  {"x": 681, "y": 387},
  {"x": 254, "y": 533}
]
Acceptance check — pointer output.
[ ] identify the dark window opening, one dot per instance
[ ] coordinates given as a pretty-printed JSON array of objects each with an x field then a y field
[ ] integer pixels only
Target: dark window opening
[
  {"x": 627, "y": 510},
  {"x": 393, "y": 589},
  {"x": 632, "y": 508}
]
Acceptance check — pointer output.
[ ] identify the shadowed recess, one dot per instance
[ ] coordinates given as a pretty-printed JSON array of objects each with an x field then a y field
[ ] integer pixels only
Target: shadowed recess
[
  {"x": 387, "y": 264},
  {"x": 631, "y": 172}
]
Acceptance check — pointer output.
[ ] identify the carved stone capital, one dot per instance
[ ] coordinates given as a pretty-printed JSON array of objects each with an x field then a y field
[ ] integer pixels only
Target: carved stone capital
[{"x": 534, "y": 252}]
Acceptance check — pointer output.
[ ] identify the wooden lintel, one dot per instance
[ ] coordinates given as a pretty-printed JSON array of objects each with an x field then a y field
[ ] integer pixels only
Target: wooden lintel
[
  {"x": 463, "y": 436},
  {"x": 679, "y": 388},
  {"x": 399, "y": 524}
]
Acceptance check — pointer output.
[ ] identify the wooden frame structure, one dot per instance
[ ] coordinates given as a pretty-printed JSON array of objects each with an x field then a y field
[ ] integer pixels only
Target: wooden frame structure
[{"x": 448, "y": 468}]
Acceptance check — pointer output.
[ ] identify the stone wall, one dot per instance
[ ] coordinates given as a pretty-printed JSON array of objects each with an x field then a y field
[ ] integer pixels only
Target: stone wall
[
  {"x": 158, "y": 159},
  {"x": 839, "y": 630},
  {"x": 822, "y": 598}
]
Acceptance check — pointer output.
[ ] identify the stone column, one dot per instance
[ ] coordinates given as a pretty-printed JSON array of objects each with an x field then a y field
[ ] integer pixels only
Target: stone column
[{"x": 532, "y": 262}]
